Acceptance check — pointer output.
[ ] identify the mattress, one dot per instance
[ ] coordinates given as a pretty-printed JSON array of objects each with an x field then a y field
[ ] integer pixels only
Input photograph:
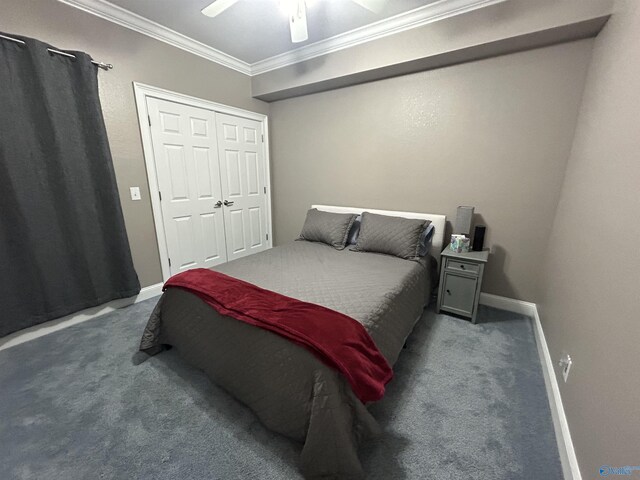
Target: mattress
[{"x": 289, "y": 389}]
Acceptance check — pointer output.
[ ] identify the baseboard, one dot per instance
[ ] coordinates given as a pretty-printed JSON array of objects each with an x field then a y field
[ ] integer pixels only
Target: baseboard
[
  {"x": 509, "y": 304},
  {"x": 148, "y": 292},
  {"x": 568, "y": 458},
  {"x": 60, "y": 323}
]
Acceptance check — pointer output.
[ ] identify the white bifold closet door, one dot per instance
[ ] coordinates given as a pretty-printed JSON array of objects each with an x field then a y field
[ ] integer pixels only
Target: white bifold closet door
[{"x": 211, "y": 176}]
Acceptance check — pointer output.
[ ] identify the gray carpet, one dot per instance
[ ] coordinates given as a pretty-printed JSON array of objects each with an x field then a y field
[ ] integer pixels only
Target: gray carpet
[{"x": 468, "y": 402}]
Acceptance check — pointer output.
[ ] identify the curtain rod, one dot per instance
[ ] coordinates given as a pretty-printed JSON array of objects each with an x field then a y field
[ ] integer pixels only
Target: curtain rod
[{"x": 104, "y": 66}]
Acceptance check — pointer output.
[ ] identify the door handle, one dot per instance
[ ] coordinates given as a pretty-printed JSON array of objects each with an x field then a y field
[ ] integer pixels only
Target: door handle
[
  {"x": 218, "y": 204},
  {"x": 227, "y": 203}
]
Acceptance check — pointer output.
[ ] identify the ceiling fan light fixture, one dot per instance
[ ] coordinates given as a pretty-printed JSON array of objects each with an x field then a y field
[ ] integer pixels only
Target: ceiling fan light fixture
[
  {"x": 296, "y": 11},
  {"x": 298, "y": 21}
]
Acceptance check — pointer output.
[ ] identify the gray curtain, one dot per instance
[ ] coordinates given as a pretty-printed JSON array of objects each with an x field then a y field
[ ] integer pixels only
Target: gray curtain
[{"x": 63, "y": 243}]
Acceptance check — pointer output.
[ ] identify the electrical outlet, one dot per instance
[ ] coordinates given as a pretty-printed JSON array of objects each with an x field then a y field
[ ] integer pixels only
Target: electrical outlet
[
  {"x": 135, "y": 193},
  {"x": 565, "y": 363}
]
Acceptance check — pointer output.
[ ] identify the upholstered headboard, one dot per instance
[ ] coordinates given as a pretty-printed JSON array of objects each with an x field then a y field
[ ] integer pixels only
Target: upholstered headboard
[{"x": 438, "y": 222}]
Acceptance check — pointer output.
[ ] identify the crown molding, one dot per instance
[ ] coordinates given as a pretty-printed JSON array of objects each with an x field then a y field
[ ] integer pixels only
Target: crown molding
[
  {"x": 417, "y": 17},
  {"x": 399, "y": 23},
  {"x": 133, "y": 21}
]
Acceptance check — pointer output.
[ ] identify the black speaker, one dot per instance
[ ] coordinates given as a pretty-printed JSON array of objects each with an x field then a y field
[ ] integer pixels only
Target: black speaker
[{"x": 478, "y": 238}]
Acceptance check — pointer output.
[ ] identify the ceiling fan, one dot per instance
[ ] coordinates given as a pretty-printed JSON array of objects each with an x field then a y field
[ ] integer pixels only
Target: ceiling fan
[{"x": 296, "y": 11}]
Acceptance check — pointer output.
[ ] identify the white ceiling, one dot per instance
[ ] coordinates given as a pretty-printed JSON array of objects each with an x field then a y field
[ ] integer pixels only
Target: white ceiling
[{"x": 254, "y": 30}]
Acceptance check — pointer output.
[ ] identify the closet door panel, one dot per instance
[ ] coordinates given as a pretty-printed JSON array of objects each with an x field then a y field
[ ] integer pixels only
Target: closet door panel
[
  {"x": 255, "y": 223},
  {"x": 236, "y": 237},
  {"x": 185, "y": 149},
  {"x": 242, "y": 170},
  {"x": 233, "y": 174}
]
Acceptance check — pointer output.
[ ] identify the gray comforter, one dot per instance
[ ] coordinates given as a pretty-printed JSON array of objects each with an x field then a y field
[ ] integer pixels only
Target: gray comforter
[{"x": 289, "y": 389}]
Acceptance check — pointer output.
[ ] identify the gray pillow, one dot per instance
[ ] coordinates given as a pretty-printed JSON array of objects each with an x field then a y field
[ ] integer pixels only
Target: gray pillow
[
  {"x": 326, "y": 227},
  {"x": 391, "y": 235}
]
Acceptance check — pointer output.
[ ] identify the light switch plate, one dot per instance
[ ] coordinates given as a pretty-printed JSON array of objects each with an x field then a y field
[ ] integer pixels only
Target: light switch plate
[{"x": 135, "y": 193}]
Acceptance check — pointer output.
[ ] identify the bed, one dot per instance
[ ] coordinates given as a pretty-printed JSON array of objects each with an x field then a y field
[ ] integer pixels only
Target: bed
[{"x": 290, "y": 390}]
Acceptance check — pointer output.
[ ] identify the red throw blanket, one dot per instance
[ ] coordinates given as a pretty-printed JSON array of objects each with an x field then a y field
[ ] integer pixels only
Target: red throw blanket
[{"x": 338, "y": 340}]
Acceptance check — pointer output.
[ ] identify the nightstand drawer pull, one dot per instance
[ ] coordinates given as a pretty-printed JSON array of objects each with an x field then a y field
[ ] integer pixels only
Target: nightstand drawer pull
[
  {"x": 449, "y": 291},
  {"x": 453, "y": 264}
]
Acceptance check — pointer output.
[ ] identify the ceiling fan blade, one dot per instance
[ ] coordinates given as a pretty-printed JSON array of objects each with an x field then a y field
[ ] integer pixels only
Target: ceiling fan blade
[
  {"x": 217, "y": 7},
  {"x": 374, "y": 6},
  {"x": 298, "y": 22}
]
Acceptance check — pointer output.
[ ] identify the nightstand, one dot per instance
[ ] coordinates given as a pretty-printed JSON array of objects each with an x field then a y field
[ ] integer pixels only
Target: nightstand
[{"x": 460, "y": 281}]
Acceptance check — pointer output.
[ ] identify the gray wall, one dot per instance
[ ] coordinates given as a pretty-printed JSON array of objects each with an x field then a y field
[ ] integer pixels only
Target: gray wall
[
  {"x": 590, "y": 301},
  {"x": 494, "y": 133},
  {"x": 136, "y": 58}
]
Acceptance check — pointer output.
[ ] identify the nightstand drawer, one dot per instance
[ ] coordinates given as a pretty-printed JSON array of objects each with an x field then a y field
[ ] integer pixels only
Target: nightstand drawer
[
  {"x": 459, "y": 266},
  {"x": 459, "y": 293}
]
